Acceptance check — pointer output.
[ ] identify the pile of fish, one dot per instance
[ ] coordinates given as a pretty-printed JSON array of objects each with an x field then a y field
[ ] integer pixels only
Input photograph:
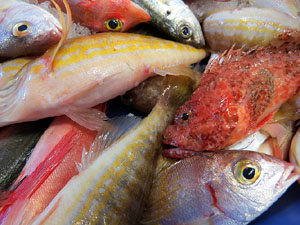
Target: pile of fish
[{"x": 218, "y": 142}]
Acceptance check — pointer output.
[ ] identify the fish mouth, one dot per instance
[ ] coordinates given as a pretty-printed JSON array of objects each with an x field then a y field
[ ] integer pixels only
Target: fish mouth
[{"x": 289, "y": 176}]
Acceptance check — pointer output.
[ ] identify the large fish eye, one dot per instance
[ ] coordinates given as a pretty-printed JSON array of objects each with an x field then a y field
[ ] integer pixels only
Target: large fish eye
[
  {"x": 184, "y": 116},
  {"x": 21, "y": 29},
  {"x": 185, "y": 31},
  {"x": 113, "y": 24},
  {"x": 246, "y": 171}
]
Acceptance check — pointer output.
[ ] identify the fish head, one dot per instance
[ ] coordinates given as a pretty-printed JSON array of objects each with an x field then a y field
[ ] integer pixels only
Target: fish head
[
  {"x": 26, "y": 29},
  {"x": 122, "y": 15},
  {"x": 184, "y": 27},
  {"x": 206, "y": 121},
  {"x": 253, "y": 181}
]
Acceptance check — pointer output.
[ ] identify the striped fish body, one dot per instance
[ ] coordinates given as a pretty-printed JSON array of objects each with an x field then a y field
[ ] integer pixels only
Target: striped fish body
[
  {"x": 246, "y": 27},
  {"x": 110, "y": 190},
  {"x": 87, "y": 71}
]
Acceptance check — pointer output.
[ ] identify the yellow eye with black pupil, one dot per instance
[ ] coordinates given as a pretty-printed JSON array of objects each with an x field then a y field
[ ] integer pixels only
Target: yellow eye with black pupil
[
  {"x": 21, "y": 29},
  {"x": 246, "y": 171},
  {"x": 113, "y": 24}
]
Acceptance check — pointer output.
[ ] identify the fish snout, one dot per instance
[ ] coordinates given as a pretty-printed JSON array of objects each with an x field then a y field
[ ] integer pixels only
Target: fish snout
[{"x": 290, "y": 175}]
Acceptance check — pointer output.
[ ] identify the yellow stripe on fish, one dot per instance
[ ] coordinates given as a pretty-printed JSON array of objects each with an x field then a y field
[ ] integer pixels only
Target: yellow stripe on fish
[
  {"x": 247, "y": 27},
  {"x": 90, "y": 70}
]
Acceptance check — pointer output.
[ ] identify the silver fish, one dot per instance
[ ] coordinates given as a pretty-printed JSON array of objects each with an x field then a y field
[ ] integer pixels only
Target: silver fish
[
  {"x": 174, "y": 18},
  {"x": 26, "y": 29},
  {"x": 217, "y": 188}
]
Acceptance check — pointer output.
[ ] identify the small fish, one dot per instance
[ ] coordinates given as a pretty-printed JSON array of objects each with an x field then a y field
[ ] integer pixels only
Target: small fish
[
  {"x": 174, "y": 18},
  {"x": 83, "y": 74},
  {"x": 291, "y": 7},
  {"x": 238, "y": 93},
  {"x": 225, "y": 187},
  {"x": 26, "y": 29},
  {"x": 112, "y": 188},
  {"x": 246, "y": 27},
  {"x": 106, "y": 15}
]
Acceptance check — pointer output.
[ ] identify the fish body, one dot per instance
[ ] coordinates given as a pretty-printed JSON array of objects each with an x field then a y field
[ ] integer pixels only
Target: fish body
[
  {"x": 239, "y": 92},
  {"x": 246, "y": 27},
  {"x": 26, "y": 29},
  {"x": 88, "y": 71},
  {"x": 291, "y": 7},
  {"x": 52, "y": 164},
  {"x": 215, "y": 188},
  {"x": 111, "y": 189},
  {"x": 174, "y": 18},
  {"x": 98, "y": 15}
]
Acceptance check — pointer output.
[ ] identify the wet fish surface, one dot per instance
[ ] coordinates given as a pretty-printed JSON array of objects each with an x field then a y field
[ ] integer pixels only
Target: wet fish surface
[{"x": 26, "y": 29}]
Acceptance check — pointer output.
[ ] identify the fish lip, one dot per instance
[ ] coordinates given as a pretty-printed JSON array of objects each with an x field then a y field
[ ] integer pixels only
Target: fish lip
[{"x": 289, "y": 176}]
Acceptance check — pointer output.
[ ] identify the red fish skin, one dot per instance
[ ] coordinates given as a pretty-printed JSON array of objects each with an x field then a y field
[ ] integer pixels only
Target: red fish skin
[
  {"x": 236, "y": 96},
  {"x": 93, "y": 14}
]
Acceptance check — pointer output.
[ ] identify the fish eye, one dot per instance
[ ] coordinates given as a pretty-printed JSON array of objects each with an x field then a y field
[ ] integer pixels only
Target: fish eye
[
  {"x": 21, "y": 29},
  {"x": 246, "y": 171},
  {"x": 184, "y": 116},
  {"x": 113, "y": 24},
  {"x": 185, "y": 31}
]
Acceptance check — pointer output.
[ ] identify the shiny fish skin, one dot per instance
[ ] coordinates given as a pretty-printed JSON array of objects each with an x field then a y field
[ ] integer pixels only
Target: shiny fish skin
[
  {"x": 88, "y": 71},
  {"x": 238, "y": 93},
  {"x": 44, "y": 29},
  {"x": 245, "y": 27},
  {"x": 291, "y": 7},
  {"x": 205, "y": 189},
  {"x": 171, "y": 16},
  {"x": 117, "y": 181}
]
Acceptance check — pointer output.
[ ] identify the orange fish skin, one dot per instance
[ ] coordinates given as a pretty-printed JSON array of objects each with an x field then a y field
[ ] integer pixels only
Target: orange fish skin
[
  {"x": 238, "y": 94},
  {"x": 94, "y": 14}
]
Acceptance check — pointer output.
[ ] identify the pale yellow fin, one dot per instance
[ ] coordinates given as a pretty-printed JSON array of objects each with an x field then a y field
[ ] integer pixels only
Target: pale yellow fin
[
  {"x": 179, "y": 70},
  {"x": 65, "y": 27}
]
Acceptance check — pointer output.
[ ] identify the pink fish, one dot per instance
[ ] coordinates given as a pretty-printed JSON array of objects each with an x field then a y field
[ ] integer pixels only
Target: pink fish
[{"x": 106, "y": 15}]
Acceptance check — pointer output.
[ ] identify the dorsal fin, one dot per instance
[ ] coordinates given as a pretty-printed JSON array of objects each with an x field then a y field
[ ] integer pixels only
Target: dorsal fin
[{"x": 65, "y": 27}]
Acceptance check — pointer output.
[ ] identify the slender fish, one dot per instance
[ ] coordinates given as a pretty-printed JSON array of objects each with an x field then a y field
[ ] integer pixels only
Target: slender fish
[
  {"x": 26, "y": 29},
  {"x": 174, "y": 18},
  {"x": 112, "y": 188},
  {"x": 88, "y": 71},
  {"x": 246, "y": 27}
]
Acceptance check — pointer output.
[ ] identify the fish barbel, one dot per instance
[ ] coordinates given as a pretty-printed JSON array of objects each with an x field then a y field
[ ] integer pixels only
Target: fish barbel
[
  {"x": 238, "y": 93},
  {"x": 246, "y": 27},
  {"x": 26, "y": 29},
  {"x": 88, "y": 71},
  {"x": 106, "y": 15},
  {"x": 225, "y": 187},
  {"x": 174, "y": 18},
  {"x": 111, "y": 189}
]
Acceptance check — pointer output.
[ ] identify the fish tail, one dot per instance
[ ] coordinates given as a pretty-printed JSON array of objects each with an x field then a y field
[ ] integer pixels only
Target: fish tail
[{"x": 65, "y": 26}]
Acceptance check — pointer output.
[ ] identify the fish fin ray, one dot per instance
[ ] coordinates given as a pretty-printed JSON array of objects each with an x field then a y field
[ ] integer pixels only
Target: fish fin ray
[
  {"x": 91, "y": 118},
  {"x": 107, "y": 134}
]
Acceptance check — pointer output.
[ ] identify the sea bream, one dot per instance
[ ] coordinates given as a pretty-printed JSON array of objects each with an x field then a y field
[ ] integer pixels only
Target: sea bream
[
  {"x": 87, "y": 71},
  {"x": 174, "y": 18},
  {"x": 217, "y": 188},
  {"x": 26, "y": 29}
]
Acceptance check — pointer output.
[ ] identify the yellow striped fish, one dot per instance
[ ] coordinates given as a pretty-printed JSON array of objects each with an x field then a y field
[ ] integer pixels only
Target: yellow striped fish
[
  {"x": 87, "y": 71},
  {"x": 246, "y": 27},
  {"x": 111, "y": 189}
]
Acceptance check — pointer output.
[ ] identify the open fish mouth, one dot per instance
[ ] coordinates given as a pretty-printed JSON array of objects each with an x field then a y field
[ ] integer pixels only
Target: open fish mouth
[{"x": 289, "y": 176}]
